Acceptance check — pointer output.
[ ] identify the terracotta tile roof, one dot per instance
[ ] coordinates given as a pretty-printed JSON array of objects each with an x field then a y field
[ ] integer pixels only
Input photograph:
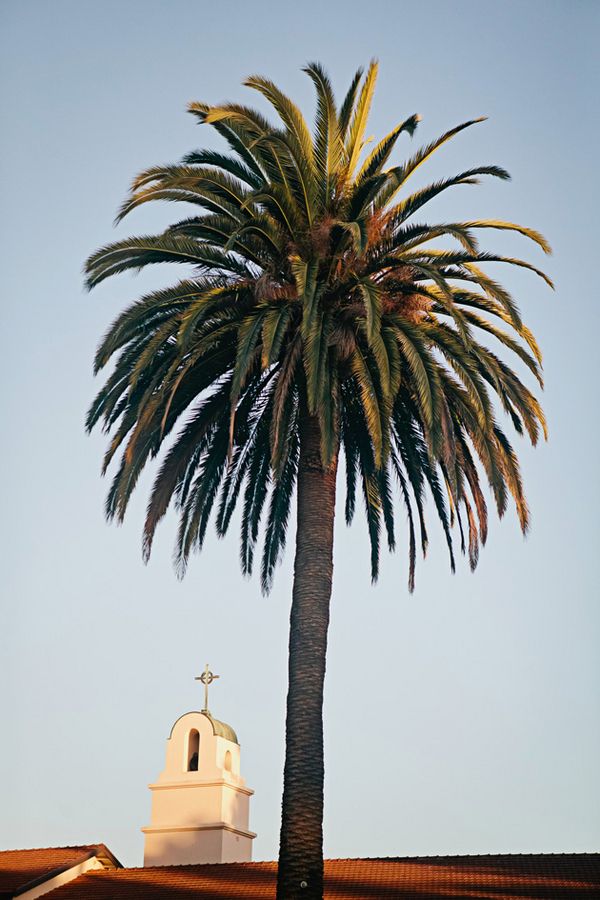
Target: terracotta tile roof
[
  {"x": 22, "y": 869},
  {"x": 545, "y": 877}
]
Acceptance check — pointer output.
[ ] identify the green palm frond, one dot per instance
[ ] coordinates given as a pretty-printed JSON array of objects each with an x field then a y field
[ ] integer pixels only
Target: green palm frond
[
  {"x": 355, "y": 140},
  {"x": 381, "y": 153},
  {"x": 328, "y": 144}
]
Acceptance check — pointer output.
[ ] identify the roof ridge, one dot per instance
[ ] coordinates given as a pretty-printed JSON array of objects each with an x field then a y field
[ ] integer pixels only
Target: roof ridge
[
  {"x": 468, "y": 855},
  {"x": 338, "y": 859},
  {"x": 62, "y": 847},
  {"x": 254, "y": 862}
]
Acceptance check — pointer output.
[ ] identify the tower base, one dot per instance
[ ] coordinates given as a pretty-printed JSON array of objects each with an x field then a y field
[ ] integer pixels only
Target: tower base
[{"x": 192, "y": 844}]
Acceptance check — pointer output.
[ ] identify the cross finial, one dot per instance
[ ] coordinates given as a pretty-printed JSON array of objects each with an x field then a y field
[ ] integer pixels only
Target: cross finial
[{"x": 206, "y": 678}]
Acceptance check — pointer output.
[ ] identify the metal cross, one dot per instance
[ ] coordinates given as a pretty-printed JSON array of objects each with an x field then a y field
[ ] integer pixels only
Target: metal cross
[{"x": 206, "y": 678}]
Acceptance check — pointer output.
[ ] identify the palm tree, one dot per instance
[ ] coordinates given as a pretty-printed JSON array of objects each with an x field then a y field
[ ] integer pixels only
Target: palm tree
[{"x": 319, "y": 321}]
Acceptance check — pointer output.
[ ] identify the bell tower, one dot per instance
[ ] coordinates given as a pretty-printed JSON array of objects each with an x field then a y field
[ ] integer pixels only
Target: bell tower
[{"x": 200, "y": 802}]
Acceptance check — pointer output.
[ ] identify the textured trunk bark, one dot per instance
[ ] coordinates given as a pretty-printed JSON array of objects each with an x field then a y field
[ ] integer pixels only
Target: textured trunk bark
[{"x": 300, "y": 872}]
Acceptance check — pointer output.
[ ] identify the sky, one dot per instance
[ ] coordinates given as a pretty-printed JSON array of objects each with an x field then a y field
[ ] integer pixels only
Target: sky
[{"x": 461, "y": 719}]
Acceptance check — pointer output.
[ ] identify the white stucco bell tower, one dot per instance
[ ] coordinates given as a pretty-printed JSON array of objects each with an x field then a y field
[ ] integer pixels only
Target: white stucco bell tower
[{"x": 200, "y": 802}]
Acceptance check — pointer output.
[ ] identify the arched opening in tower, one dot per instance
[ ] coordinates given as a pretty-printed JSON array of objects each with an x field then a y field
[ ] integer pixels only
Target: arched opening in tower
[{"x": 193, "y": 750}]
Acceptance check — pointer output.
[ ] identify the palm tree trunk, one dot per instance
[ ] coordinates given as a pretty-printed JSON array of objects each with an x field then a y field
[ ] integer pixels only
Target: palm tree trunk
[{"x": 300, "y": 873}]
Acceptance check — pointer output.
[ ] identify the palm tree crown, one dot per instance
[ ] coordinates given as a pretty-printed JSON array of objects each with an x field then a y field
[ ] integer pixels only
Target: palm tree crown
[{"x": 316, "y": 290}]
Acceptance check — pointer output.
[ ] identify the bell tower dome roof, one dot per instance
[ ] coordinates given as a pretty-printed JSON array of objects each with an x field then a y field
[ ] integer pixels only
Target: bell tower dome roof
[{"x": 220, "y": 729}]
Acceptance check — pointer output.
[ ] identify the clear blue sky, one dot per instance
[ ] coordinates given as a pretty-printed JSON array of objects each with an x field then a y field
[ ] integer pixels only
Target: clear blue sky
[{"x": 462, "y": 719}]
